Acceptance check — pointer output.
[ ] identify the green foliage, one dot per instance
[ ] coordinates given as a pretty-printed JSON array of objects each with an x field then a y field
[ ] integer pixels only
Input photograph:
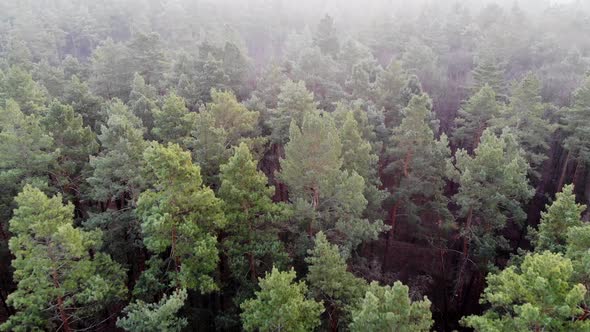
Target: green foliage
[
  {"x": 418, "y": 164},
  {"x": 474, "y": 118},
  {"x": 59, "y": 281},
  {"x": 84, "y": 103},
  {"x": 142, "y": 101},
  {"x": 221, "y": 124},
  {"x": 115, "y": 174},
  {"x": 525, "y": 117},
  {"x": 577, "y": 119},
  {"x": 180, "y": 217},
  {"x": 294, "y": 101},
  {"x": 489, "y": 72},
  {"x": 389, "y": 308},
  {"x": 251, "y": 243},
  {"x": 329, "y": 281},
  {"x": 564, "y": 213},
  {"x": 161, "y": 316},
  {"x": 111, "y": 74},
  {"x": 280, "y": 305},
  {"x": 537, "y": 296},
  {"x": 17, "y": 84},
  {"x": 147, "y": 57},
  {"x": 74, "y": 143},
  {"x": 174, "y": 122},
  {"x": 326, "y": 38},
  {"x": 26, "y": 153},
  {"x": 390, "y": 84},
  {"x": 493, "y": 186},
  {"x": 325, "y": 197}
]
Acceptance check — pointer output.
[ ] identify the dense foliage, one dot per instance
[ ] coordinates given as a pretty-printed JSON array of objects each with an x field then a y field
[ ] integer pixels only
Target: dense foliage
[{"x": 294, "y": 165}]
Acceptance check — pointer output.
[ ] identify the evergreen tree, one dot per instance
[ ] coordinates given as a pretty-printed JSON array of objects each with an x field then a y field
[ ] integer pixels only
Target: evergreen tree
[
  {"x": 390, "y": 84},
  {"x": 475, "y": 117},
  {"x": 493, "y": 187},
  {"x": 210, "y": 75},
  {"x": 280, "y": 305},
  {"x": 115, "y": 176},
  {"x": 180, "y": 217},
  {"x": 174, "y": 122},
  {"x": 294, "y": 101},
  {"x": 330, "y": 282},
  {"x": 74, "y": 143},
  {"x": 489, "y": 72},
  {"x": 84, "y": 103},
  {"x": 142, "y": 101},
  {"x": 325, "y": 37},
  {"x": 577, "y": 119},
  {"x": 251, "y": 242},
  {"x": 147, "y": 57},
  {"x": 161, "y": 316},
  {"x": 111, "y": 74},
  {"x": 325, "y": 197},
  {"x": 18, "y": 84},
  {"x": 417, "y": 166},
  {"x": 539, "y": 295},
  {"x": 223, "y": 123},
  {"x": 389, "y": 308},
  {"x": 525, "y": 116},
  {"x": 564, "y": 213},
  {"x": 61, "y": 285},
  {"x": 25, "y": 155}
]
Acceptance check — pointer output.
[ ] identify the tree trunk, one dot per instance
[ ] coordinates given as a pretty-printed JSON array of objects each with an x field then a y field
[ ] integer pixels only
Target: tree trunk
[
  {"x": 407, "y": 161},
  {"x": 174, "y": 254},
  {"x": 461, "y": 276},
  {"x": 390, "y": 234},
  {"x": 563, "y": 172},
  {"x": 334, "y": 320},
  {"x": 60, "y": 302}
]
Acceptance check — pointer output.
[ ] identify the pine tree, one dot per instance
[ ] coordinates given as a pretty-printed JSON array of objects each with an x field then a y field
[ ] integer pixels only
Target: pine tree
[
  {"x": 115, "y": 176},
  {"x": 563, "y": 214},
  {"x": 60, "y": 284},
  {"x": 294, "y": 101},
  {"x": 525, "y": 116},
  {"x": 231, "y": 116},
  {"x": 577, "y": 119},
  {"x": 74, "y": 143},
  {"x": 539, "y": 295},
  {"x": 111, "y": 71},
  {"x": 18, "y": 84},
  {"x": 325, "y": 37},
  {"x": 222, "y": 124},
  {"x": 251, "y": 242},
  {"x": 161, "y": 316},
  {"x": 26, "y": 153},
  {"x": 417, "y": 166},
  {"x": 174, "y": 122},
  {"x": 390, "y": 84},
  {"x": 142, "y": 101},
  {"x": 493, "y": 187},
  {"x": 325, "y": 197},
  {"x": 147, "y": 57},
  {"x": 489, "y": 72},
  {"x": 280, "y": 305},
  {"x": 475, "y": 117},
  {"x": 330, "y": 282},
  {"x": 180, "y": 217},
  {"x": 210, "y": 75},
  {"x": 389, "y": 308},
  {"x": 84, "y": 103}
]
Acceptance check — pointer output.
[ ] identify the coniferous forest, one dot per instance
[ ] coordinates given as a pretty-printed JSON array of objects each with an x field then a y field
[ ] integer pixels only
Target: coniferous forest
[{"x": 293, "y": 166}]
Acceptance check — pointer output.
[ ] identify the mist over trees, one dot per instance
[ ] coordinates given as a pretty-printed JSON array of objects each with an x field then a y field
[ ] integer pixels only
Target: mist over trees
[{"x": 313, "y": 165}]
